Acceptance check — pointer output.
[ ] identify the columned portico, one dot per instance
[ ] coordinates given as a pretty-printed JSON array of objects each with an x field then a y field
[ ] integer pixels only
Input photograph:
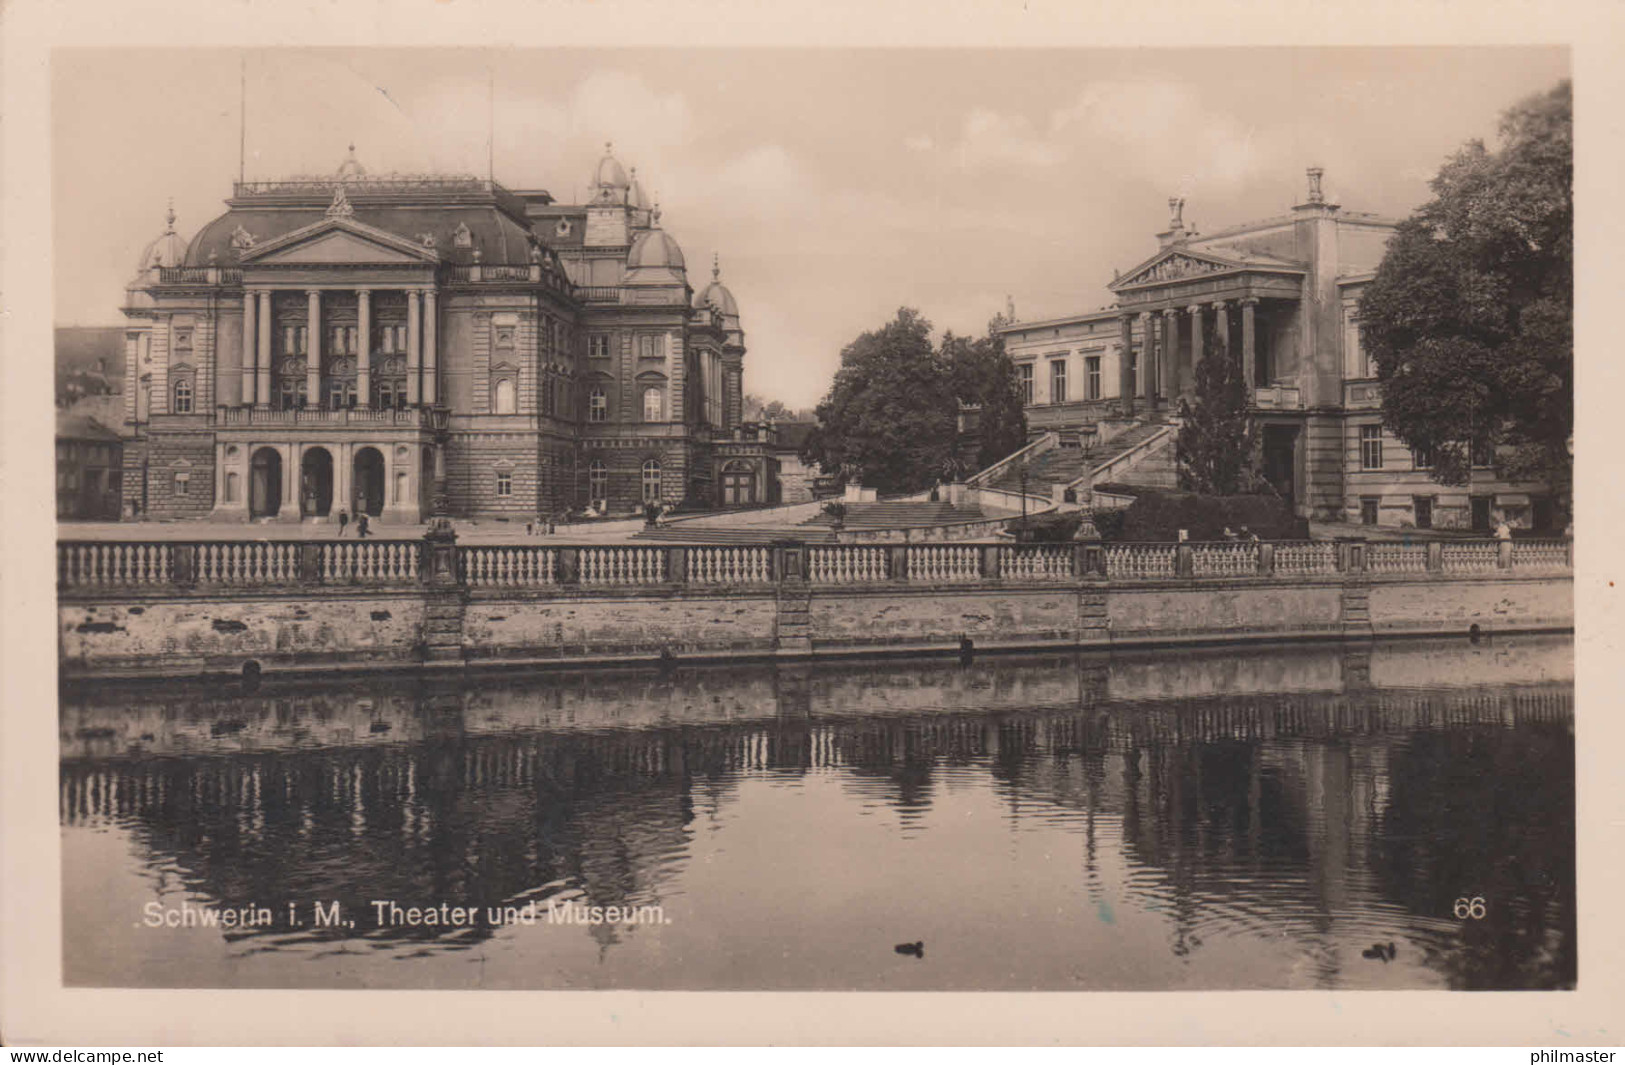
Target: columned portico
[
  {"x": 1168, "y": 377},
  {"x": 413, "y": 339},
  {"x": 431, "y": 331},
  {"x": 1147, "y": 383},
  {"x": 262, "y": 353},
  {"x": 1195, "y": 311},
  {"x": 249, "y": 333},
  {"x": 363, "y": 376},
  {"x": 313, "y": 364},
  {"x": 1125, "y": 363},
  {"x": 1249, "y": 357}
]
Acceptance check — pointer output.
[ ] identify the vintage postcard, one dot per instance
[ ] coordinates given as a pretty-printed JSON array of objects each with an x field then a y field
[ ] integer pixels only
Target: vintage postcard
[{"x": 589, "y": 514}]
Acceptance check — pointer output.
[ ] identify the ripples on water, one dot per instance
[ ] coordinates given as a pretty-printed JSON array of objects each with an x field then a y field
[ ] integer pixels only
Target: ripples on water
[{"x": 1269, "y": 818}]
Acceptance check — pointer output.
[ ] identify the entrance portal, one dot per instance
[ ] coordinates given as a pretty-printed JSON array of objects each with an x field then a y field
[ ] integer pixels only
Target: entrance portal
[
  {"x": 1280, "y": 459},
  {"x": 369, "y": 482},
  {"x": 316, "y": 483},
  {"x": 738, "y": 485},
  {"x": 265, "y": 483}
]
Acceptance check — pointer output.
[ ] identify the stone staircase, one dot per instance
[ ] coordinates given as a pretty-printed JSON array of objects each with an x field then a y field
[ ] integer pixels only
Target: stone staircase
[
  {"x": 1067, "y": 464},
  {"x": 443, "y": 626}
]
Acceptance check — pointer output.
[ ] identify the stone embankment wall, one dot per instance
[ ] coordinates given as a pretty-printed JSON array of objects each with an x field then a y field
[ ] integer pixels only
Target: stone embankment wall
[{"x": 183, "y": 609}]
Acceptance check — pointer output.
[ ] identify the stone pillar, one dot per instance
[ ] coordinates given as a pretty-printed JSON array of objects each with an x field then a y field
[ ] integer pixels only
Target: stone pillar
[
  {"x": 249, "y": 359},
  {"x": 1221, "y": 329},
  {"x": 413, "y": 338},
  {"x": 262, "y": 360},
  {"x": 363, "y": 354},
  {"x": 1146, "y": 386},
  {"x": 313, "y": 350},
  {"x": 1249, "y": 356},
  {"x": 1195, "y": 310},
  {"x": 1168, "y": 377},
  {"x": 1125, "y": 363},
  {"x": 431, "y": 330}
]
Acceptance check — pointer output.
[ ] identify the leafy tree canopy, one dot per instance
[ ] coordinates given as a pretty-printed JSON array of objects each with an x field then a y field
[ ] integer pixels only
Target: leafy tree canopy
[
  {"x": 891, "y": 419},
  {"x": 982, "y": 375},
  {"x": 1470, "y": 315},
  {"x": 1216, "y": 438}
]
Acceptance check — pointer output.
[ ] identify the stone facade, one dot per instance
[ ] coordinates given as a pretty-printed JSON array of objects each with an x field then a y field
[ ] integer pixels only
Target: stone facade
[
  {"x": 1281, "y": 296},
  {"x": 393, "y": 345}
]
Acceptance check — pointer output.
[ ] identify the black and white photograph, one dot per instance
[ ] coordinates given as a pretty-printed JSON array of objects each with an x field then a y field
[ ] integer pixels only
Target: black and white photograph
[{"x": 814, "y": 519}]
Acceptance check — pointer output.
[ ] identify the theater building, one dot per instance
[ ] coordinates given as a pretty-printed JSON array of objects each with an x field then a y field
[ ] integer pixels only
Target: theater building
[
  {"x": 1281, "y": 297},
  {"x": 407, "y": 345}
]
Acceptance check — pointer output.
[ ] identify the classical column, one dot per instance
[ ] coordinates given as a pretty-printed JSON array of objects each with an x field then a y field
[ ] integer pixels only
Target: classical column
[
  {"x": 1125, "y": 363},
  {"x": 1148, "y": 357},
  {"x": 363, "y": 356},
  {"x": 1249, "y": 357},
  {"x": 431, "y": 329},
  {"x": 1195, "y": 310},
  {"x": 262, "y": 361},
  {"x": 1221, "y": 327},
  {"x": 412, "y": 345},
  {"x": 313, "y": 350},
  {"x": 249, "y": 333},
  {"x": 1168, "y": 378}
]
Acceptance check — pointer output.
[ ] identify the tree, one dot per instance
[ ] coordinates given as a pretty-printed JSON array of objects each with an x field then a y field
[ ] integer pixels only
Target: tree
[
  {"x": 982, "y": 375},
  {"x": 1470, "y": 315},
  {"x": 890, "y": 417},
  {"x": 1217, "y": 440}
]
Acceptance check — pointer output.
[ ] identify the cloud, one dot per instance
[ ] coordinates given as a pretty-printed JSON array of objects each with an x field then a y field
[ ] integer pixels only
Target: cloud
[{"x": 988, "y": 137}]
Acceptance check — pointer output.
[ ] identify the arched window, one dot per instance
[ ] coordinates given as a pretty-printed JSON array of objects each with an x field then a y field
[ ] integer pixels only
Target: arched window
[
  {"x": 597, "y": 482},
  {"x": 597, "y": 406},
  {"x": 652, "y": 405},
  {"x": 651, "y": 481},
  {"x": 183, "y": 395},
  {"x": 505, "y": 402}
]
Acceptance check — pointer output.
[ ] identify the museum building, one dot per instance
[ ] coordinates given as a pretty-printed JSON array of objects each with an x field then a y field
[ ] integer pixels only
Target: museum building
[
  {"x": 408, "y": 345},
  {"x": 1280, "y": 295}
]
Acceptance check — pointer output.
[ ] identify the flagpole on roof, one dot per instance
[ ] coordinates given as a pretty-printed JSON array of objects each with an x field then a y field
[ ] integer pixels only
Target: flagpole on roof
[{"x": 242, "y": 116}]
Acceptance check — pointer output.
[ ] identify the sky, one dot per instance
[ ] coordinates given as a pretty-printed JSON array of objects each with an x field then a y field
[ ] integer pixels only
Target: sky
[{"x": 835, "y": 184}]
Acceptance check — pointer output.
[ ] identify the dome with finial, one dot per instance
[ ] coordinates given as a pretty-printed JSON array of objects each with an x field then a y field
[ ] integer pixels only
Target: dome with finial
[
  {"x": 351, "y": 169},
  {"x": 167, "y": 249},
  {"x": 634, "y": 195},
  {"x": 654, "y": 249},
  {"x": 610, "y": 172},
  {"x": 716, "y": 294}
]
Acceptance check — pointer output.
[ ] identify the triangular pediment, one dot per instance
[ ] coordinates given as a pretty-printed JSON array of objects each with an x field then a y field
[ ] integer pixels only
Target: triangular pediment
[
  {"x": 1175, "y": 264},
  {"x": 339, "y": 241}
]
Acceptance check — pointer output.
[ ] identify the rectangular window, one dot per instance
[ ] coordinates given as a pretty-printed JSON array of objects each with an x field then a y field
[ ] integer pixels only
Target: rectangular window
[
  {"x": 598, "y": 346},
  {"x": 182, "y": 484},
  {"x": 504, "y": 483},
  {"x": 1371, "y": 447},
  {"x": 1092, "y": 368},
  {"x": 1422, "y": 456},
  {"x": 1424, "y": 511},
  {"x": 1483, "y": 455},
  {"x": 1368, "y": 510},
  {"x": 652, "y": 347},
  {"x": 1057, "y": 381},
  {"x": 1027, "y": 383}
]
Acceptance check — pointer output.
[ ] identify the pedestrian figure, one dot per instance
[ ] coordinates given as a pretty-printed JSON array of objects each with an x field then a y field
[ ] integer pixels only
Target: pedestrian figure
[
  {"x": 361, "y": 527},
  {"x": 344, "y": 519}
]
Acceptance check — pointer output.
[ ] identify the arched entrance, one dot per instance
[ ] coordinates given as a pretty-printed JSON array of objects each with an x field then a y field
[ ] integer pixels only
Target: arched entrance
[
  {"x": 316, "y": 483},
  {"x": 369, "y": 482},
  {"x": 738, "y": 484},
  {"x": 265, "y": 483}
]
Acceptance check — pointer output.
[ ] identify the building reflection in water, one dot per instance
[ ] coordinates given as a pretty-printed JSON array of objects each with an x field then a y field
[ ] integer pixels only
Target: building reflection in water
[{"x": 1260, "y": 797}]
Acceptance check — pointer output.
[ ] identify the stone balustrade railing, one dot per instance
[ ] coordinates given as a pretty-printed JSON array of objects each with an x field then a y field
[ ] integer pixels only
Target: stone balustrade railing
[{"x": 155, "y": 566}]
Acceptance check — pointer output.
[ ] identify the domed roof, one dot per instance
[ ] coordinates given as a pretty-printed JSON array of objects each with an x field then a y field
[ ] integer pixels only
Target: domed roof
[
  {"x": 351, "y": 169},
  {"x": 716, "y": 294},
  {"x": 168, "y": 249},
  {"x": 635, "y": 197},
  {"x": 610, "y": 173},
  {"x": 654, "y": 248}
]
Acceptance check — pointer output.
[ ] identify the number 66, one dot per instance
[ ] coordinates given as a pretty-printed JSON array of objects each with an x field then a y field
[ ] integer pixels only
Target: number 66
[{"x": 1470, "y": 908}]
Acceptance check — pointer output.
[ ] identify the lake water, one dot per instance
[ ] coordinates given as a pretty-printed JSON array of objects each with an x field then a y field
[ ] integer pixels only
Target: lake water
[{"x": 1236, "y": 818}]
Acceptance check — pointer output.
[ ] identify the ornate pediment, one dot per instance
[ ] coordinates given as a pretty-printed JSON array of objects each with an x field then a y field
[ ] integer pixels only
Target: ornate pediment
[
  {"x": 338, "y": 240},
  {"x": 1173, "y": 266}
]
